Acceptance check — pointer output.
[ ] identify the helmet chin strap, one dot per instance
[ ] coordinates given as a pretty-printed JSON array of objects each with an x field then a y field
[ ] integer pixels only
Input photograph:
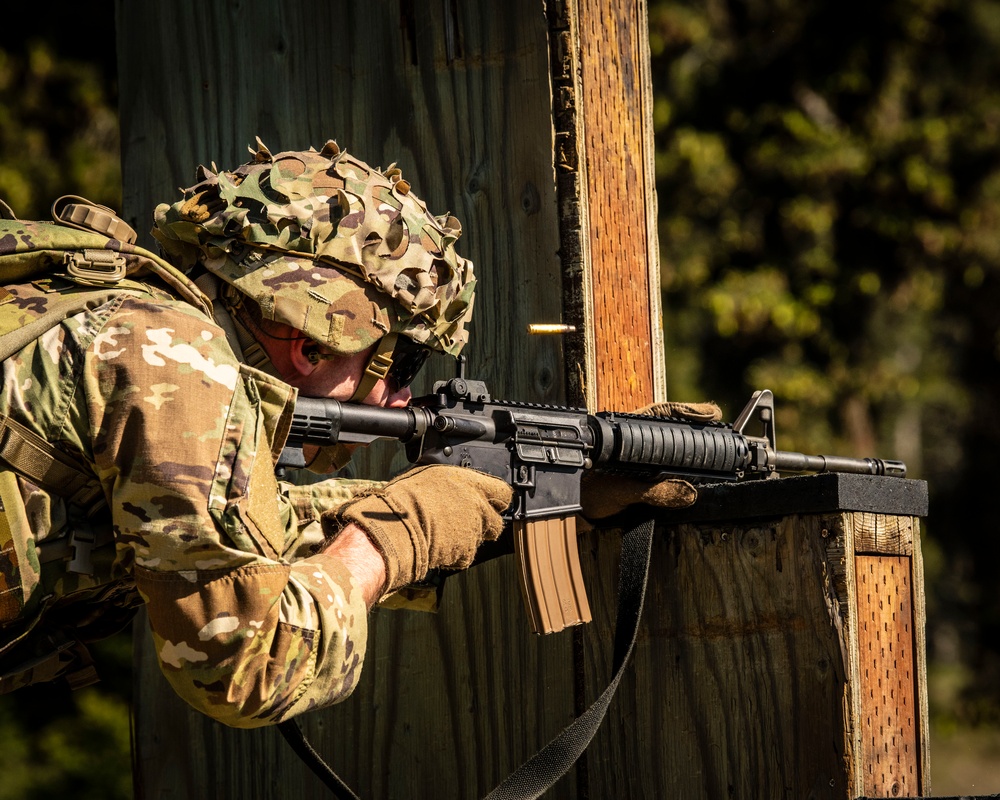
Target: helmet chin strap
[
  {"x": 226, "y": 304},
  {"x": 377, "y": 369}
]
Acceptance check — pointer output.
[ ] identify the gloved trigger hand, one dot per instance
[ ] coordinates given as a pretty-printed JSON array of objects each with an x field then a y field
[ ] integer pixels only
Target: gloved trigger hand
[
  {"x": 431, "y": 517},
  {"x": 606, "y": 495}
]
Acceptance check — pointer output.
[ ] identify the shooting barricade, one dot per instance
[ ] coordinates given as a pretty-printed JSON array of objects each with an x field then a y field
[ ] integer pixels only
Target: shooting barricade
[
  {"x": 781, "y": 652},
  {"x": 773, "y": 660}
]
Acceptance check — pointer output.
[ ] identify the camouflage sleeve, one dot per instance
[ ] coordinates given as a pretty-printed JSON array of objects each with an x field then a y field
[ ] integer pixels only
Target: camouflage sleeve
[
  {"x": 184, "y": 435},
  {"x": 304, "y": 504}
]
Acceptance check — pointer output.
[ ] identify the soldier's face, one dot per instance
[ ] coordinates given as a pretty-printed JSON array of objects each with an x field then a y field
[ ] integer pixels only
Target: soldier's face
[{"x": 338, "y": 378}]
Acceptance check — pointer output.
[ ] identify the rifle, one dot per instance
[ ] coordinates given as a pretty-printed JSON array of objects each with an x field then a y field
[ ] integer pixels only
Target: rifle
[{"x": 543, "y": 452}]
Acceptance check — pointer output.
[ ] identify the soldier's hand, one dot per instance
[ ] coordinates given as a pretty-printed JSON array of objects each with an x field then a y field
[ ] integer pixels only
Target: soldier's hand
[
  {"x": 606, "y": 495},
  {"x": 432, "y": 517},
  {"x": 692, "y": 412}
]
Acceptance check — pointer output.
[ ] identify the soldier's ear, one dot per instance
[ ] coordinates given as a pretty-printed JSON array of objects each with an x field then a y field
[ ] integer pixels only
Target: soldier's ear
[{"x": 303, "y": 355}]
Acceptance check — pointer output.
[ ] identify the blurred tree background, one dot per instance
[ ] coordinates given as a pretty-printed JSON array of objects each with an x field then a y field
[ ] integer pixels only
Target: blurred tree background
[
  {"x": 59, "y": 135},
  {"x": 829, "y": 193},
  {"x": 828, "y": 177},
  {"x": 829, "y": 189}
]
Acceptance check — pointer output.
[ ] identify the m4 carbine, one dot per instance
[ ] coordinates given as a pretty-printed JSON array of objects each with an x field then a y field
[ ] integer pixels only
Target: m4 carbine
[{"x": 543, "y": 452}]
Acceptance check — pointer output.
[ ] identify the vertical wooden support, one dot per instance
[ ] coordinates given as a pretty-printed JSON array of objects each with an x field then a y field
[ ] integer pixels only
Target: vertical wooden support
[
  {"x": 602, "y": 104},
  {"x": 603, "y": 149},
  {"x": 891, "y": 699},
  {"x": 889, "y": 736}
]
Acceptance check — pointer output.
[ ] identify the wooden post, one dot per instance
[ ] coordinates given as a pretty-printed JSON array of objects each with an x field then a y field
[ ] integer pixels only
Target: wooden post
[{"x": 602, "y": 110}]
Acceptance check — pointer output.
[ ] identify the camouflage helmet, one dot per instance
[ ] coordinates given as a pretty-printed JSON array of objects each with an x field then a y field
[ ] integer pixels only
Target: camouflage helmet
[{"x": 322, "y": 242}]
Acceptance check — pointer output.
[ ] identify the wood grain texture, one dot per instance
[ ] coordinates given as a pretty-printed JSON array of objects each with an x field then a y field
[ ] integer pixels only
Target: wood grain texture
[
  {"x": 738, "y": 681},
  {"x": 885, "y": 534},
  {"x": 616, "y": 104},
  {"x": 602, "y": 110},
  {"x": 752, "y": 674},
  {"x": 920, "y": 654},
  {"x": 458, "y": 95},
  {"x": 876, "y": 537}
]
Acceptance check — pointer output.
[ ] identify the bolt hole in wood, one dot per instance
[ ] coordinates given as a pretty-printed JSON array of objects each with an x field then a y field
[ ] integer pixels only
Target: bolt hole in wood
[{"x": 885, "y": 636}]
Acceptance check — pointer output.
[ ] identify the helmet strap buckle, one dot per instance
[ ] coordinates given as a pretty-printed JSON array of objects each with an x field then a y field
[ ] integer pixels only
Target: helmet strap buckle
[{"x": 377, "y": 368}]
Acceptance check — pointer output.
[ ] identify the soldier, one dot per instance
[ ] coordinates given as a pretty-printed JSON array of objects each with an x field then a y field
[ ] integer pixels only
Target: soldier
[
  {"x": 327, "y": 277},
  {"x": 322, "y": 276}
]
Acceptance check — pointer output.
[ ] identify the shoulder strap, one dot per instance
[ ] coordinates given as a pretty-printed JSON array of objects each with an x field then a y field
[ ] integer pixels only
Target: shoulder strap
[{"x": 48, "y": 467}]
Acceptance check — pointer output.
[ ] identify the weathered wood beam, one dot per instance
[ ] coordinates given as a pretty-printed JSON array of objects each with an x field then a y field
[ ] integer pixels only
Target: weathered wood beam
[{"x": 602, "y": 101}]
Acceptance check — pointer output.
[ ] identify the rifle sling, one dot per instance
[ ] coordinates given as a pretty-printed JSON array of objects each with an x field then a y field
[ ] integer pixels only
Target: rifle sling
[
  {"x": 536, "y": 775},
  {"x": 549, "y": 764}
]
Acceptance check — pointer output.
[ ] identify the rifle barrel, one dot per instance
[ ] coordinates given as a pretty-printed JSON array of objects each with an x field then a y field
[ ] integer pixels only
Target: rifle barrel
[{"x": 785, "y": 461}]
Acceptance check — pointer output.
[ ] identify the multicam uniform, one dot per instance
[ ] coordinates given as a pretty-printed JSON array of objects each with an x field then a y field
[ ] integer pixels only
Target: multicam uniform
[{"x": 251, "y": 623}]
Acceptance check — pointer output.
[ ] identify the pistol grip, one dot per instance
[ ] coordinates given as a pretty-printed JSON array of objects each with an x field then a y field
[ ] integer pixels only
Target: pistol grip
[{"x": 550, "y": 576}]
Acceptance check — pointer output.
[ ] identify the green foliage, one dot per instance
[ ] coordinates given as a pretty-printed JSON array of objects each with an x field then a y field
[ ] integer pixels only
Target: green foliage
[
  {"x": 59, "y": 743},
  {"x": 829, "y": 189},
  {"x": 58, "y": 130}
]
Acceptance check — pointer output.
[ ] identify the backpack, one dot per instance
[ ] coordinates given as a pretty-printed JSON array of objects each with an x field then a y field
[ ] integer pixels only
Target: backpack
[
  {"x": 89, "y": 247},
  {"x": 82, "y": 258}
]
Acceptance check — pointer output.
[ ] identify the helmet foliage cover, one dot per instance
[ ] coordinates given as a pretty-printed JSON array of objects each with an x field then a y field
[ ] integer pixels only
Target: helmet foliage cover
[{"x": 328, "y": 245}]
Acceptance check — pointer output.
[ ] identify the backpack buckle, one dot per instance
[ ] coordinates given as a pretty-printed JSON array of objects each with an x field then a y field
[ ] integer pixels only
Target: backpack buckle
[
  {"x": 102, "y": 266},
  {"x": 83, "y": 541}
]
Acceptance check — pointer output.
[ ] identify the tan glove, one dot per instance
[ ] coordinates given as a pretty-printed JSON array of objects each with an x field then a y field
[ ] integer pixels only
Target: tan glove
[
  {"x": 694, "y": 412},
  {"x": 605, "y": 495},
  {"x": 432, "y": 517}
]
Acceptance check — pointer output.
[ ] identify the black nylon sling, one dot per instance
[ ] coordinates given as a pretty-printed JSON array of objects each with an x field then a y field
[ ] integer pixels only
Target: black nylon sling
[{"x": 539, "y": 773}]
